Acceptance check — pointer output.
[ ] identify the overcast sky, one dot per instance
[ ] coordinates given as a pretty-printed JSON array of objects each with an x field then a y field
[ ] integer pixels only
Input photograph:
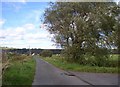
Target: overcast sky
[{"x": 21, "y": 26}]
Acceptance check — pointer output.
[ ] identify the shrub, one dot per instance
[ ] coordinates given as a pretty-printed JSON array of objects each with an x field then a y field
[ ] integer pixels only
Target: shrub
[
  {"x": 46, "y": 53},
  {"x": 17, "y": 57},
  {"x": 101, "y": 56}
]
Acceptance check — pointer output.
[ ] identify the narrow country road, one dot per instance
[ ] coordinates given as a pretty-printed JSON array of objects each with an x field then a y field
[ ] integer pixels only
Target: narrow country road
[{"x": 47, "y": 74}]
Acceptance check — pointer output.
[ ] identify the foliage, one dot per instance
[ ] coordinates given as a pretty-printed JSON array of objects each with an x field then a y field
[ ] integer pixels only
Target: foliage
[
  {"x": 17, "y": 57},
  {"x": 60, "y": 62},
  {"x": 46, "y": 53},
  {"x": 84, "y": 28}
]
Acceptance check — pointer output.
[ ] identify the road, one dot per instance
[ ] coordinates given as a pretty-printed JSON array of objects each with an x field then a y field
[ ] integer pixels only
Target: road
[{"x": 47, "y": 74}]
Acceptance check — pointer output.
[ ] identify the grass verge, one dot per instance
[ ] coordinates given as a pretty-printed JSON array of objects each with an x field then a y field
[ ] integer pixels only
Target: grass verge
[
  {"x": 20, "y": 73},
  {"x": 61, "y": 63}
]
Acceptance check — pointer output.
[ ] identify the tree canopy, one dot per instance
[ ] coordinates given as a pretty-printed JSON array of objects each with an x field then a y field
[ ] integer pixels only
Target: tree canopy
[{"x": 84, "y": 27}]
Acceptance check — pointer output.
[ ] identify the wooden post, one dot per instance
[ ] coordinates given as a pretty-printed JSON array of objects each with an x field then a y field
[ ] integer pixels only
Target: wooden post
[{"x": 0, "y": 67}]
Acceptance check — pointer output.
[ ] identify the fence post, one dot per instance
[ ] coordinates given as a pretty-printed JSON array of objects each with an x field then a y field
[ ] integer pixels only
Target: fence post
[{"x": 0, "y": 67}]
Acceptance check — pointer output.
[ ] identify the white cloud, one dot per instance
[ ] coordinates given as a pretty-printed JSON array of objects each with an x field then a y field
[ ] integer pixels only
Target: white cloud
[
  {"x": 36, "y": 35},
  {"x": 22, "y": 1},
  {"x": 12, "y": 32},
  {"x": 23, "y": 36},
  {"x": 29, "y": 26},
  {"x": 2, "y": 21}
]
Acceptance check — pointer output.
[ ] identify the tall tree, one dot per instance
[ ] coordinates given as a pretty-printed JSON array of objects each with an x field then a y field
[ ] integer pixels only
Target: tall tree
[{"x": 82, "y": 28}]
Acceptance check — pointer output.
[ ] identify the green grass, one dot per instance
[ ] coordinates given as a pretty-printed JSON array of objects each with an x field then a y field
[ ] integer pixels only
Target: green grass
[
  {"x": 61, "y": 63},
  {"x": 20, "y": 73},
  {"x": 114, "y": 57}
]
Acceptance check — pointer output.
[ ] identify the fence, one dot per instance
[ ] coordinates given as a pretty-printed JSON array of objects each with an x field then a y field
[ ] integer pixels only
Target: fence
[
  {"x": 3, "y": 62},
  {"x": 0, "y": 67}
]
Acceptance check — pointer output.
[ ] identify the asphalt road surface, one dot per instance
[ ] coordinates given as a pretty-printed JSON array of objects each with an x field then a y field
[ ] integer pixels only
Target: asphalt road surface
[{"x": 47, "y": 74}]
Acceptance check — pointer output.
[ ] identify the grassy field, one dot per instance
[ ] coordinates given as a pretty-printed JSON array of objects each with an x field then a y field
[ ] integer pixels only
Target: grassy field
[
  {"x": 61, "y": 63},
  {"x": 21, "y": 72}
]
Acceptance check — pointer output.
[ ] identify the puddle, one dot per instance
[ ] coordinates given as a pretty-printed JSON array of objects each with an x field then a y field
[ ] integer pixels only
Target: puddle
[{"x": 68, "y": 74}]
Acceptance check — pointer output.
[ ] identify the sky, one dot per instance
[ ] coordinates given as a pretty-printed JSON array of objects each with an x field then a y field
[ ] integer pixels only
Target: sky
[{"x": 21, "y": 25}]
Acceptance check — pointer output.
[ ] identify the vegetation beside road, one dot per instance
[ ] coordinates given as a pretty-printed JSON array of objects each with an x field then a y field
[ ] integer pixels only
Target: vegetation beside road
[
  {"x": 20, "y": 72},
  {"x": 60, "y": 62},
  {"x": 88, "y": 33}
]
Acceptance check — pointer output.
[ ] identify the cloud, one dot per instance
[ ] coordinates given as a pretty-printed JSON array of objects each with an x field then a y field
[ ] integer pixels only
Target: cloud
[
  {"x": 1, "y": 37},
  {"x": 2, "y": 21},
  {"x": 36, "y": 36},
  {"x": 23, "y": 36},
  {"x": 26, "y": 31},
  {"x": 14, "y": 33},
  {"x": 22, "y": 1},
  {"x": 29, "y": 26}
]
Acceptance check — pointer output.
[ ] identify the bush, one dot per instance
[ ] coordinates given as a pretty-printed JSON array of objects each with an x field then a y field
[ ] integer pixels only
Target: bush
[
  {"x": 46, "y": 53},
  {"x": 74, "y": 54},
  {"x": 17, "y": 57},
  {"x": 101, "y": 56}
]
